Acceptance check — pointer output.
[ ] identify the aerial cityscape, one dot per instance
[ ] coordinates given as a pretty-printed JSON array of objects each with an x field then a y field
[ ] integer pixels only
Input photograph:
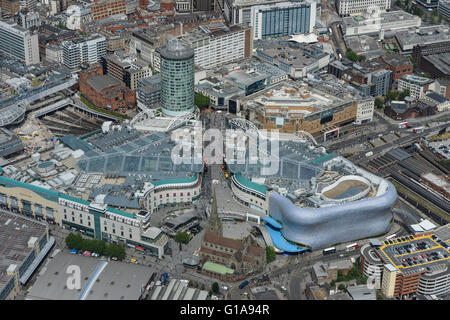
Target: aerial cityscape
[{"x": 241, "y": 150}]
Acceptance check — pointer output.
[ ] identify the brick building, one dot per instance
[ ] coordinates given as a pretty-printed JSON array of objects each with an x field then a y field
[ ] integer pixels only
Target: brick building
[
  {"x": 398, "y": 64},
  {"x": 105, "y": 91}
]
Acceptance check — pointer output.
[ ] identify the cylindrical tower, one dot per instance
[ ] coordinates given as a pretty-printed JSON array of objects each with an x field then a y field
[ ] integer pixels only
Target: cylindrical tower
[{"x": 177, "y": 78}]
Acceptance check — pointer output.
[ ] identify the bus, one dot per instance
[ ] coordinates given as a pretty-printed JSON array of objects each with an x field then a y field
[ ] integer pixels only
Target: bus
[
  {"x": 243, "y": 284},
  {"x": 329, "y": 251},
  {"x": 403, "y": 124},
  {"x": 352, "y": 247},
  {"x": 391, "y": 236},
  {"x": 418, "y": 130}
]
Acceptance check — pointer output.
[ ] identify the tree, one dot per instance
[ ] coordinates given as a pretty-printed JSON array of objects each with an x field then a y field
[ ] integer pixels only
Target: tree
[
  {"x": 74, "y": 241},
  {"x": 440, "y": 18},
  {"x": 201, "y": 101},
  {"x": 352, "y": 55},
  {"x": 215, "y": 287},
  {"x": 270, "y": 254},
  {"x": 391, "y": 95},
  {"x": 379, "y": 102},
  {"x": 361, "y": 58},
  {"x": 403, "y": 94},
  {"x": 115, "y": 250},
  {"x": 182, "y": 237},
  {"x": 341, "y": 287}
]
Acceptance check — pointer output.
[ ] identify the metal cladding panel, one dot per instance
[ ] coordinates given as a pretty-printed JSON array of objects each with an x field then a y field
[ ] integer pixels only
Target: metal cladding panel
[{"x": 323, "y": 227}]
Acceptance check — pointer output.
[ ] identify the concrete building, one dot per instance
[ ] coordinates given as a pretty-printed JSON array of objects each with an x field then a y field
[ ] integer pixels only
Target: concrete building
[
  {"x": 126, "y": 69},
  {"x": 10, "y": 144},
  {"x": 19, "y": 42},
  {"x": 283, "y": 19},
  {"x": 408, "y": 39},
  {"x": 291, "y": 109},
  {"x": 239, "y": 11},
  {"x": 28, "y": 20},
  {"x": 365, "y": 110},
  {"x": 100, "y": 280},
  {"x": 177, "y": 74},
  {"x": 92, "y": 219},
  {"x": 384, "y": 23},
  {"x": 417, "y": 86},
  {"x": 9, "y": 8},
  {"x": 25, "y": 244},
  {"x": 428, "y": 4},
  {"x": 83, "y": 50},
  {"x": 352, "y": 7},
  {"x": 296, "y": 59},
  {"x": 148, "y": 94},
  {"x": 218, "y": 44},
  {"x": 444, "y": 8},
  {"x": 410, "y": 265},
  {"x": 54, "y": 53}
]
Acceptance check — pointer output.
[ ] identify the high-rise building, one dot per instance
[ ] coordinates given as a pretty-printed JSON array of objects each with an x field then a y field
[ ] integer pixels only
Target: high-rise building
[
  {"x": 28, "y": 20},
  {"x": 9, "y": 8},
  {"x": 351, "y": 7},
  {"x": 444, "y": 8},
  {"x": 177, "y": 73},
  {"x": 283, "y": 19},
  {"x": 217, "y": 44},
  {"x": 19, "y": 42},
  {"x": 78, "y": 51}
]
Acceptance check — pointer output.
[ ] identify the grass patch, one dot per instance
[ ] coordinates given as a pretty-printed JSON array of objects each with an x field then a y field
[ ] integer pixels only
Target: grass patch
[{"x": 89, "y": 104}]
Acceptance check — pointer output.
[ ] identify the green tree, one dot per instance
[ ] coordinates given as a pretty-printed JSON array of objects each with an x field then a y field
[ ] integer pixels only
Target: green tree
[
  {"x": 182, "y": 237},
  {"x": 215, "y": 287},
  {"x": 270, "y": 254},
  {"x": 74, "y": 241},
  {"x": 201, "y": 101},
  {"x": 341, "y": 287},
  {"x": 379, "y": 102},
  {"x": 440, "y": 18},
  {"x": 352, "y": 55},
  {"x": 115, "y": 250},
  {"x": 391, "y": 95},
  {"x": 362, "y": 58},
  {"x": 403, "y": 94}
]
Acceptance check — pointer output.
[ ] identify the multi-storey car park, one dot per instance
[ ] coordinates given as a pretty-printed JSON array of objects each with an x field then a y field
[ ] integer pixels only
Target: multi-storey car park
[
  {"x": 407, "y": 266},
  {"x": 24, "y": 243}
]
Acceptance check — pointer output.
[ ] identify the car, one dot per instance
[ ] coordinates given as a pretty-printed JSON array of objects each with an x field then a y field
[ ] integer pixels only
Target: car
[
  {"x": 87, "y": 254},
  {"x": 114, "y": 258},
  {"x": 94, "y": 254},
  {"x": 133, "y": 260},
  {"x": 73, "y": 251}
]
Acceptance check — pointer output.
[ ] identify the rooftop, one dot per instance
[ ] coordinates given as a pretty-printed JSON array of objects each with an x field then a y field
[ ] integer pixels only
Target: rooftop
[
  {"x": 110, "y": 280},
  {"x": 422, "y": 254},
  {"x": 15, "y": 233},
  {"x": 103, "y": 81}
]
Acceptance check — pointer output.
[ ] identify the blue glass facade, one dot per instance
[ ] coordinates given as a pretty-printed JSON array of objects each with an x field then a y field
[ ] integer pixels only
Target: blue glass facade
[{"x": 279, "y": 22}]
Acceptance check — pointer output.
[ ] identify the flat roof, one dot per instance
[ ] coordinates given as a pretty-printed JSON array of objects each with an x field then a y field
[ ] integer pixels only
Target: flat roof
[
  {"x": 217, "y": 268},
  {"x": 15, "y": 232},
  {"x": 102, "y": 81},
  {"x": 116, "y": 281},
  {"x": 394, "y": 254}
]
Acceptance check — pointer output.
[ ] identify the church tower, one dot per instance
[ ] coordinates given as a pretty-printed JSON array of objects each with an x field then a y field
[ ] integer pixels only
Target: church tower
[{"x": 214, "y": 224}]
